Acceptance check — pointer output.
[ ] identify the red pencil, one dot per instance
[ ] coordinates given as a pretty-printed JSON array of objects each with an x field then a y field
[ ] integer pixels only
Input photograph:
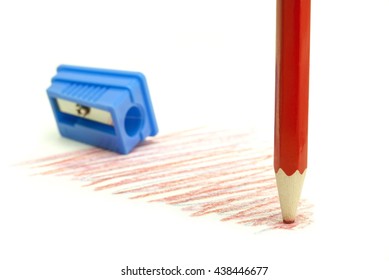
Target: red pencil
[{"x": 291, "y": 113}]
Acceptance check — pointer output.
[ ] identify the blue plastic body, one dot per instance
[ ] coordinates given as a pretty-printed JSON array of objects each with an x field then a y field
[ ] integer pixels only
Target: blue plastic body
[{"x": 124, "y": 95}]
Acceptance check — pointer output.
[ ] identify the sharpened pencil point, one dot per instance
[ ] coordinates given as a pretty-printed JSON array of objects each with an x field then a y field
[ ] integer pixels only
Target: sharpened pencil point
[{"x": 289, "y": 191}]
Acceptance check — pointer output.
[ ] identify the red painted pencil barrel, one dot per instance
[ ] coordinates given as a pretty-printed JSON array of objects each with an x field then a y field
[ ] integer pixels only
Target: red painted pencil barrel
[{"x": 292, "y": 85}]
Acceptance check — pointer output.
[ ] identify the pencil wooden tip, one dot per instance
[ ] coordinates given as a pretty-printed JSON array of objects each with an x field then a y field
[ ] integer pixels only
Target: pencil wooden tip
[{"x": 289, "y": 191}]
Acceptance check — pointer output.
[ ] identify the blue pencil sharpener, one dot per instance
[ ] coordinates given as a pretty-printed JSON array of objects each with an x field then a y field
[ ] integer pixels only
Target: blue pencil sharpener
[{"x": 106, "y": 108}]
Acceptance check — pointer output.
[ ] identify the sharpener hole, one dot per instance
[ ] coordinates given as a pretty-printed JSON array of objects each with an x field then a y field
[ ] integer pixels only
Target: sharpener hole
[{"x": 133, "y": 121}]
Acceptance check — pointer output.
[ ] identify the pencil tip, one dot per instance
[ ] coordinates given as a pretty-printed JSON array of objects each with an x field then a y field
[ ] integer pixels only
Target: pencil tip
[{"x": 289, "y": 191}]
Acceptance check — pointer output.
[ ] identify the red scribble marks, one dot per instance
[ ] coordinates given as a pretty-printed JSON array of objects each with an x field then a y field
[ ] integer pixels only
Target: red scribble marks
[{"x": 201, "y": 171}]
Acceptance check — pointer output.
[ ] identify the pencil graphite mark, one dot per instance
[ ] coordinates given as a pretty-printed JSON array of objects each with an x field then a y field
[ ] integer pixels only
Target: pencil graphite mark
[{"x": 204, "y": 172}]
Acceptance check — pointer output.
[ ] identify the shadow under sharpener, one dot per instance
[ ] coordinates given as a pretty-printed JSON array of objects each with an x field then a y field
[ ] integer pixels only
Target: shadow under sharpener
[{"x": 105, "y": 108}]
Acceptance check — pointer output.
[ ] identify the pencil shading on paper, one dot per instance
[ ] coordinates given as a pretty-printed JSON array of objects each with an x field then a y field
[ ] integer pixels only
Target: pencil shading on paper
[{"x": 201, "y": 171}]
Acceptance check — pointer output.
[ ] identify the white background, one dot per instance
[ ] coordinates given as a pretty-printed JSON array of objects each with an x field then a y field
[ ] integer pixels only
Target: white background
[{"x": 206, "y": 62}]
